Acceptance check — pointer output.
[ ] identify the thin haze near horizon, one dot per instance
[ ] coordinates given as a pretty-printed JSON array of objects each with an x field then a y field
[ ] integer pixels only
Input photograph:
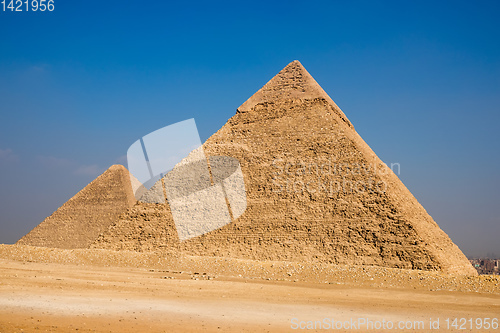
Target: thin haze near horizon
[{"x": 420, "y": 81}]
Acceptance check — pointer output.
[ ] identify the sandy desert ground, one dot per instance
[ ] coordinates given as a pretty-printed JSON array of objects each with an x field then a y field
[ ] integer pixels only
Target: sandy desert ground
[{"x": 54, "y": 290}]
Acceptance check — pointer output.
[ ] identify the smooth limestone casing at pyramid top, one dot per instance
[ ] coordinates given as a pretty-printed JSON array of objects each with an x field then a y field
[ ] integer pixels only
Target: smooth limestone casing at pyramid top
[{"x": 344, "y": 207}]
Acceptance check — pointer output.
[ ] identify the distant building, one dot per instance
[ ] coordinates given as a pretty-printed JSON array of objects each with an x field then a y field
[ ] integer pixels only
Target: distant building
[{"x": 486, "y": 266}]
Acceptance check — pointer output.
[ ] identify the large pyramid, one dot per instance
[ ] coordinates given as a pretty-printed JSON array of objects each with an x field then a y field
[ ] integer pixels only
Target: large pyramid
[
  {"x": 78, "y": 222},
  {"x": 315, "y": 191}
]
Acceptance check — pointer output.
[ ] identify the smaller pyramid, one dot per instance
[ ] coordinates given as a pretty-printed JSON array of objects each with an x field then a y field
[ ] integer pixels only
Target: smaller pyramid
[{"x": 79, "y": 221}]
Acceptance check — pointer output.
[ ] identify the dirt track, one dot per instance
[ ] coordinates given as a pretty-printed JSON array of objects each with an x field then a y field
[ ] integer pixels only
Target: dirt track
[{"x": 57, "y": 297}]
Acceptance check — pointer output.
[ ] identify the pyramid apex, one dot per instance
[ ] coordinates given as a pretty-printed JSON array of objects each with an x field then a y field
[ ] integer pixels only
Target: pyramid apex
[
  {"x": 292, "y": 82},
  {"x": 117, "y": 167},
  {"x": 295, "y": 69}
]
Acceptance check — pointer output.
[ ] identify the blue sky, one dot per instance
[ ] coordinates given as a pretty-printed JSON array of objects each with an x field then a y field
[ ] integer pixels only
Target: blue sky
[{"x": 419, "y": 80}]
